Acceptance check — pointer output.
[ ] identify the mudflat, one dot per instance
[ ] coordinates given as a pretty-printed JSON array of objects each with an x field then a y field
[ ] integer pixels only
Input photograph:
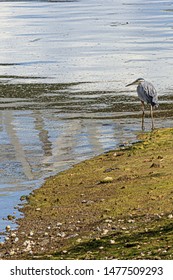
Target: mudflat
[{"x": 116, "y": 205}]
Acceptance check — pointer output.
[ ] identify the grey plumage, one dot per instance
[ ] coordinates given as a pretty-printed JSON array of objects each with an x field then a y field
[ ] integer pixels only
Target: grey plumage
[{"x": 147, "y": 94}]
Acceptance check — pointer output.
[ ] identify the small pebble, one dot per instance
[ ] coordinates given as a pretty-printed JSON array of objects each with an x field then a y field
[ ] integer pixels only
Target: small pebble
[
  {"x": 98, "y": 228},
  {"x": 26, "y": 242},
  {"x": 23, "y": 197},
  {"x": 16, "y": 239},
  {"x": 123, "y": 228},
  {"x": 12, "y": 252},
  {"x": 107, "y": 210},
  {"x": 8, "y": 228},
  {"x": 131, "y": 221},
  {"x": 89, "y": 202},
  {"x": 10, "y": 217},
  {"x": 108, "y": 221},
  {"x": 61, "y": 234},
  {"x": 79, "y": 240},
  {"x": 106, "y": 180},
  {"x": 105, "y": 231},
  {"x": 72, "y": 235},
  {"x": 118, "y": 154}
]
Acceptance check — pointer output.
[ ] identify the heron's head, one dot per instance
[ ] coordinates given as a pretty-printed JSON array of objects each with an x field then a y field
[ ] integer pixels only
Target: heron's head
[{"x": 136, "y": 82}]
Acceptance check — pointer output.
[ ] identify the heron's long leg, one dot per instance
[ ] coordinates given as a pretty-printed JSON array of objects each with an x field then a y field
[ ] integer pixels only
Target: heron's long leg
[
  {"x": 152, "y": 119},
  {"x": 143, "y": 115}
]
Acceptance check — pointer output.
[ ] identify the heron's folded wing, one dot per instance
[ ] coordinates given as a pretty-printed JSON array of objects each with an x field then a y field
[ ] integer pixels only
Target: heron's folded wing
[{"x": 151, "y": 93}]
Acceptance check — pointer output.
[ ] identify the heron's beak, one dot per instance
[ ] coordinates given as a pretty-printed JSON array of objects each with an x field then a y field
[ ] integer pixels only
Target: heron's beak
[{"x": 130, "y": 84}]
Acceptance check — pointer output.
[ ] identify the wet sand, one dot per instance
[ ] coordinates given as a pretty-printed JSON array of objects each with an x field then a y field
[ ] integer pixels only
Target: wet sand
[{"x": 116, "y": 205}]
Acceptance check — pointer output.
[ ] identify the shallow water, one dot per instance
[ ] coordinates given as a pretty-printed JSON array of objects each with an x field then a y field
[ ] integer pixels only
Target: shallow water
[{"x": 63, "y": 70}]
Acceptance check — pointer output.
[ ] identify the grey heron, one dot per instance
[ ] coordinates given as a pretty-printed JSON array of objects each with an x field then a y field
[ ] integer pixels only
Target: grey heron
[{"x": 147, "y": 94}]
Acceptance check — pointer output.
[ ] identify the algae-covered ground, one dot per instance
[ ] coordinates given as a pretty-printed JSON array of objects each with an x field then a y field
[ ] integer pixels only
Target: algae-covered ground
[{"x": 116, "y": 205}]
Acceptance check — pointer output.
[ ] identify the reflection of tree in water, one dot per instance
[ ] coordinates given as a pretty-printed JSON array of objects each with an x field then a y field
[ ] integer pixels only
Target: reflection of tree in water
[
  {"x": 74, "y": 140},
  {"x": 16, "y": 144},
  {"x": 38, "y": 146},
  {"x": 43, "y": 134}
]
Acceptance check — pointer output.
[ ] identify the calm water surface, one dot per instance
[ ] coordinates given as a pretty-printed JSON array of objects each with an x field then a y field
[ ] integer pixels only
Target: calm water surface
[{"x": 63, "y": 70}]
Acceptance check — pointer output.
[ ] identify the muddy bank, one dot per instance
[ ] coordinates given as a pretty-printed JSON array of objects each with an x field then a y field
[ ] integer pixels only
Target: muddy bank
[{"x": 116, "y": 205}]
